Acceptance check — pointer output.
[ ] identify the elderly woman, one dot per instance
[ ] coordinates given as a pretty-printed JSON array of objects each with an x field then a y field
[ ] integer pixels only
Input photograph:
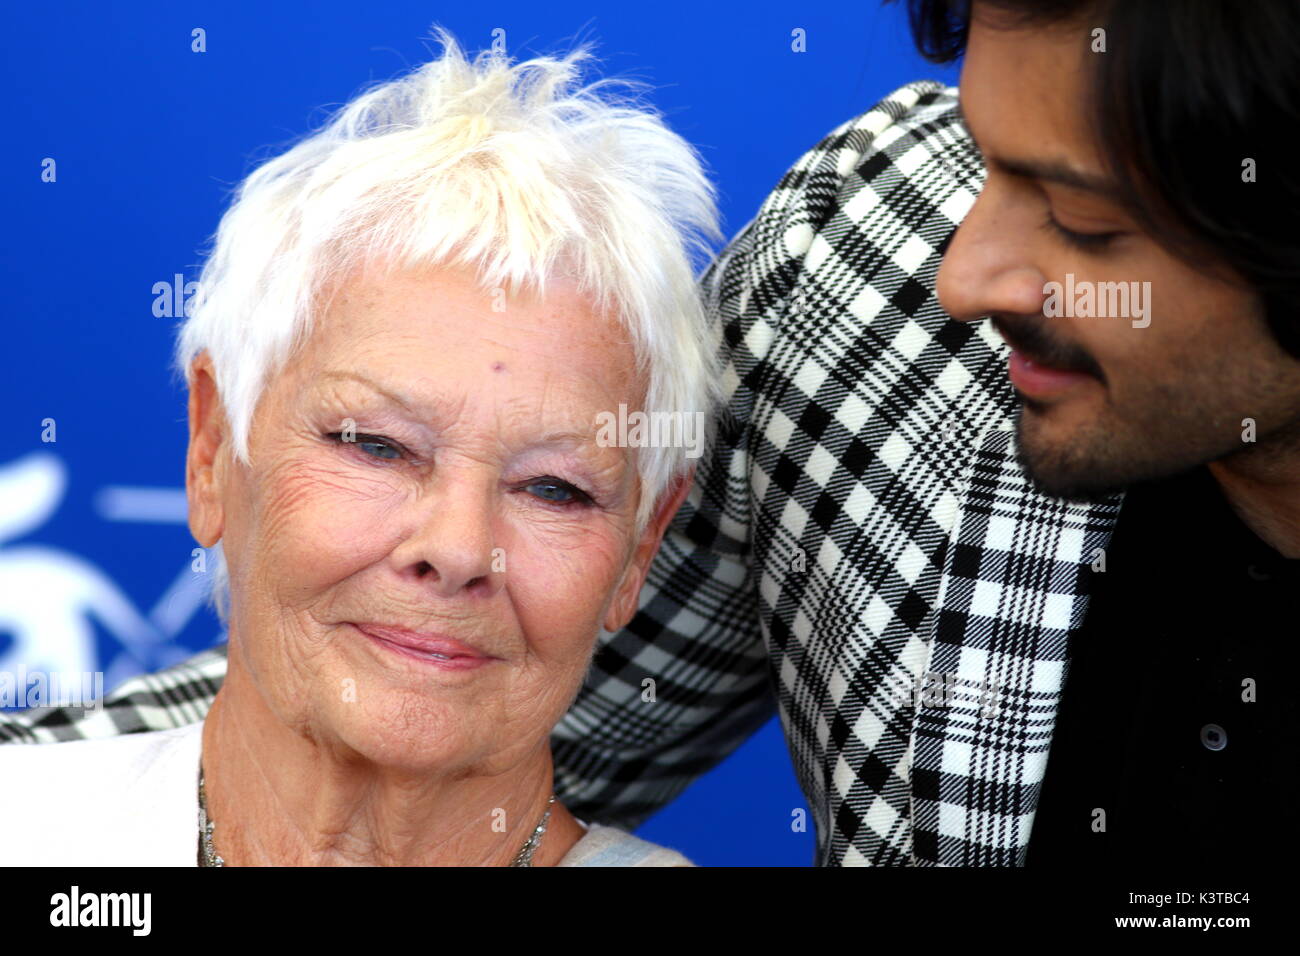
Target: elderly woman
[{"x": 410, "y": 331}]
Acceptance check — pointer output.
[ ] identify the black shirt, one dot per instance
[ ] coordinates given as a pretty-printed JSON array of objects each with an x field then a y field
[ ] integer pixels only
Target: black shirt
[{"x": 1179, "y": 715}]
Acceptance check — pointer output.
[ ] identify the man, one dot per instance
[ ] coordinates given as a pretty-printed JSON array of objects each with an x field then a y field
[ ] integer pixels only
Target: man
[{"x": 916, "y": 549}]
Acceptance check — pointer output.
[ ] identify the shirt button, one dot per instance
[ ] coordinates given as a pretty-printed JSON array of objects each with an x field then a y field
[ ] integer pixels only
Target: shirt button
[
  {"x": 1214, "y": 737},
  {"x": 1259, "y": 572}
]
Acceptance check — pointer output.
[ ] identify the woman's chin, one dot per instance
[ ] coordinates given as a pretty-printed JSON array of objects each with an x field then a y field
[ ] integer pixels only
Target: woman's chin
[{"x": 414, "y": 736}]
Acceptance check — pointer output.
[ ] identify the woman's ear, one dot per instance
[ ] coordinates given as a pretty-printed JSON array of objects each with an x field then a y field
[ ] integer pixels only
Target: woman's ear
[
  {"x": 204, "y": 472},
  {"x": 623, "y": 608}
]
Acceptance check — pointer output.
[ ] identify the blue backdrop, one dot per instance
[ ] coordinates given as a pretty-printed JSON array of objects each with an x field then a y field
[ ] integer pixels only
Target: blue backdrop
[{"x": 148, "y": 136}]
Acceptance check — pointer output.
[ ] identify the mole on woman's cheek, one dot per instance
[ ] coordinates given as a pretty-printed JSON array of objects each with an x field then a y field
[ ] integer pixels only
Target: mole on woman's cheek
[{"x": 498, "y": 366}]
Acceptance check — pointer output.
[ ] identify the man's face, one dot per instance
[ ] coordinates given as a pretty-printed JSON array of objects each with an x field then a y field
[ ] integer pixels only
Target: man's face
[{"x": 1107, "y": 399}]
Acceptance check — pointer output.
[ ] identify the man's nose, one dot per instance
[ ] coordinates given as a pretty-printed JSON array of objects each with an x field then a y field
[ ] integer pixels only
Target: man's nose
[{"x": 990, "y": 266}]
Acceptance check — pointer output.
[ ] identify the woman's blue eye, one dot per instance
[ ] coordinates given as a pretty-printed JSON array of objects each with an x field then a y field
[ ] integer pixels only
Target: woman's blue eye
[
  {"x": 371, "y": 442},
  {"x": 554, "y": 490},
  {"x": 383, "y": 447},
  {"x": 560, "y": 492}
]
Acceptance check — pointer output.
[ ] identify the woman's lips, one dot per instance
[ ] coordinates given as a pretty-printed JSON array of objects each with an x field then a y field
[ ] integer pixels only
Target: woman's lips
[
  {"x": 1042, "y": 381},
  {"x": 439, "y": 651}
]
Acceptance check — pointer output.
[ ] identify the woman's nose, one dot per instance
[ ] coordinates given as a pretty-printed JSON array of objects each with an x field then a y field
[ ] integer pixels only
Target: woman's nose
[
  {"x": 990, "y": 265},
  {"x": 452, "y": 548}
]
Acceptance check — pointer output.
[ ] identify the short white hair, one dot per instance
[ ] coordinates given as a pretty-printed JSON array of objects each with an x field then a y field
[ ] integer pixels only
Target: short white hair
[{"x": 518, "y": 171}]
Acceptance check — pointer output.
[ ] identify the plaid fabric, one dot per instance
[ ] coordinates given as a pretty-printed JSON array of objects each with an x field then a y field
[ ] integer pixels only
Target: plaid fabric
[{"x": 860, "y": 552}]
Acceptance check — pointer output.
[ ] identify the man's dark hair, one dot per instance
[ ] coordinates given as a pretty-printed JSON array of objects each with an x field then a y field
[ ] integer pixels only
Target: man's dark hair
[{"x": 1185, "y": 92}]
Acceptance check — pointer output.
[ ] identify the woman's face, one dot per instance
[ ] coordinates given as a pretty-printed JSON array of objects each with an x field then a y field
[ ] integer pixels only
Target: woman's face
[{"x": 474, "y": 507}]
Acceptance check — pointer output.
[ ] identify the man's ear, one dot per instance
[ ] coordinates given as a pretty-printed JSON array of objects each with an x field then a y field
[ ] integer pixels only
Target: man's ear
[
  {"x": 623, "y": 608},
  {"x": 205, "y": 459}
]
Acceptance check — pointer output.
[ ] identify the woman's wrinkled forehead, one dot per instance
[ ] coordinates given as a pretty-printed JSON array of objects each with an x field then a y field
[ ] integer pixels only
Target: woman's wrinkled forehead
[{"x": 438, "y": 349}]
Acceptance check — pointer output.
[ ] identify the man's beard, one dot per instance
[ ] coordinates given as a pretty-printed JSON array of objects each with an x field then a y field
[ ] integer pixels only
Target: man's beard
[
  {"x": 1102, "y": 458},
  {"x": 1188, "y": 411},
  {"x": 1070, "y": 474}
]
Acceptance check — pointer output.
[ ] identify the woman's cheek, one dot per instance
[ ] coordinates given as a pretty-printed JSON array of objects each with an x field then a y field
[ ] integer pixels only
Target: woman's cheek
[
  {"x": 327, "y": 522},
  {"x": 560, "y": 589}
]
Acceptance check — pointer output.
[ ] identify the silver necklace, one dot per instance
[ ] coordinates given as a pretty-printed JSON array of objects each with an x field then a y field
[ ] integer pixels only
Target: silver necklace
[
  {"x": 208, "y": 854},
  {"x": 525, "y": 855}
]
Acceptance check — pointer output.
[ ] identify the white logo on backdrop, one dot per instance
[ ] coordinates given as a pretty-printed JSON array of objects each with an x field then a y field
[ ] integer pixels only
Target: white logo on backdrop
[{"x": 50, "y": 597}]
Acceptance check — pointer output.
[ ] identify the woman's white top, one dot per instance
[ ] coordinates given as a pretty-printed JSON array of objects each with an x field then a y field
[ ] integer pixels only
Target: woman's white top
[{"x": 132, "y": 800}]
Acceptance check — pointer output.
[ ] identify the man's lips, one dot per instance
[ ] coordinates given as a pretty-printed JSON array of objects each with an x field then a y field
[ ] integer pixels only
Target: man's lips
[
  {"x": 436, "y": 649},
  {"x": 1042, "y": 381}
]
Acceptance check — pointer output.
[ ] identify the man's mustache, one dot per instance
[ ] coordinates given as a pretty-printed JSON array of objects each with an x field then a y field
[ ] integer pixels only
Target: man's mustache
[{"x": 1031, "y": 338}]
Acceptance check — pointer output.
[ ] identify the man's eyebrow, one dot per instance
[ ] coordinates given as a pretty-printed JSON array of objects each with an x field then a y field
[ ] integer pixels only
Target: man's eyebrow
[
  {"x": 1054, "y": 171},
  {"x": 1051, "y": 171}
]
